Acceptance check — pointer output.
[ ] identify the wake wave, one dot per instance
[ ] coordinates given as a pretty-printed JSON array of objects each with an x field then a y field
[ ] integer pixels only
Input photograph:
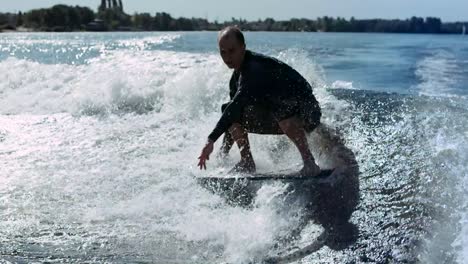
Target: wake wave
[
  {"x": 121, "y": 82},
  {"x": 130, "y": 175},
  {"x": 437, "y": 73},
  {"x": 128, "y": 181}
]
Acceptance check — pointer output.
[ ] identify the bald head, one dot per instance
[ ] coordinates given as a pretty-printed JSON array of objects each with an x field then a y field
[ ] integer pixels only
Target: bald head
[
  {"x": 232, "y": 47},
  {"x": 232, "y": 32}
]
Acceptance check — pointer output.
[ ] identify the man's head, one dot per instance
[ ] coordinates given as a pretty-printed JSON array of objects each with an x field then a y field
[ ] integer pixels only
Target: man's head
[{"x": 232, "y": 47}]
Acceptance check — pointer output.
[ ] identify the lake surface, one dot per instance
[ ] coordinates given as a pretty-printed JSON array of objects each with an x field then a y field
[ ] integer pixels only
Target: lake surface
[{"x": 100, "y": 134}]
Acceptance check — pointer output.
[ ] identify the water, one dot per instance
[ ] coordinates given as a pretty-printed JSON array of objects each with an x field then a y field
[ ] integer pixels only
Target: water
[{"x": 100, "y": 133}]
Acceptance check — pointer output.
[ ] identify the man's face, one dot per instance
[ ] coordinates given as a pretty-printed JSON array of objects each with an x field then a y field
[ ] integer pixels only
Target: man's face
[{"x": 232, "y": 51}]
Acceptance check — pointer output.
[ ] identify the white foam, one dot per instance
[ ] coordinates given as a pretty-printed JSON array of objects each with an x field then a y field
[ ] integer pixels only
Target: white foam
[
  {"x": 458, "y": 169},
  {"x": 126, "y": 181},
  {"x": 147, "y": 42},
  {"x": 449, "y": 148},
  {"x": 343, "y": 85},
  {"x": 118, "y": 81},
  {"x": 436, "y": 74}
]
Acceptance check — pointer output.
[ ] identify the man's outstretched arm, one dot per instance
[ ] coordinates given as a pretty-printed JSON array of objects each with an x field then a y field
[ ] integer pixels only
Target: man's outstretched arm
[
  {"x": 245, "y": 94},
  {"x": 205, "y": 154}
]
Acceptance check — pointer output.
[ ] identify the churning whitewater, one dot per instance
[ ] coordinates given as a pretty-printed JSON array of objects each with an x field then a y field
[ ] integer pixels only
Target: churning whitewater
[{"x": 100, "y": 134}]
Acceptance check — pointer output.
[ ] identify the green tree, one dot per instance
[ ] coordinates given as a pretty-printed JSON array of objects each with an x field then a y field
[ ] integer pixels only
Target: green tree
[
  {"x": 143, "y": 21},
  {"x": 162, "y": 21},
  {"x": 433, "y": 25}
]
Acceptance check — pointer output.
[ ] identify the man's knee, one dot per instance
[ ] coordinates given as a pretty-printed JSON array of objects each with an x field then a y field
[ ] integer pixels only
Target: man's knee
[
  {"x": 236, "y": 128},
  {"x": 291, "y": 125},
  {"x": 237, "y": 131}
]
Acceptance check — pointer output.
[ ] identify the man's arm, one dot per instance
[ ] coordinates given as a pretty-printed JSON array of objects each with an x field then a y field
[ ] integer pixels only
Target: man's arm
[
  {"x": 246, "y": 91},
  {"x": 249, "y": 89},
  {"x": 232, "y": 112}
]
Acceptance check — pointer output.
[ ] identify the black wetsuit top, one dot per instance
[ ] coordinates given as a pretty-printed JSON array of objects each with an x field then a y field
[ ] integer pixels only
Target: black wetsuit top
[{"x": 265, "y": 81}]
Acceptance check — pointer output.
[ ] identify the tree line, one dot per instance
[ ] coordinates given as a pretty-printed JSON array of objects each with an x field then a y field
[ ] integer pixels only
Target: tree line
[
  {"x": 56, "y": 18},
  {"x": 76, "y": 18}
]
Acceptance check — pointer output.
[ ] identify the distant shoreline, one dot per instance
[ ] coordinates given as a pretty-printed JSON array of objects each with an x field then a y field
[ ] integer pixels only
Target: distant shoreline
[
  {"x": 29, "y": 30},
  {"x": 63, "y": 18},
  {"x": 32, "y": 30}
]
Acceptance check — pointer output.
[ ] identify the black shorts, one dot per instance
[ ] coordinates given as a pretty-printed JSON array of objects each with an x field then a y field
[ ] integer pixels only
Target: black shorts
[{"x": 261, "y": 119}]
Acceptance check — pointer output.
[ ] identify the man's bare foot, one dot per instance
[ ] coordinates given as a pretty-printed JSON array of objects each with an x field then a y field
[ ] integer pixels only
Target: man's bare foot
[
  {"x": 310, "y": 169},
  {"x": 244, "y": 166}
]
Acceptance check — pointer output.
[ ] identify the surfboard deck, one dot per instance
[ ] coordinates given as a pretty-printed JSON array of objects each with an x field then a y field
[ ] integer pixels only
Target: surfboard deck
[
  {"x": 240, "y": 189},
  {"x": 328, "y": 176},
  {"x": 288, "y": 176}
]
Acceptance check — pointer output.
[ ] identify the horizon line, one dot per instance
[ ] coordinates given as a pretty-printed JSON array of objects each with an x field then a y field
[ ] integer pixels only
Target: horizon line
[{"x": 96, "y": 9}]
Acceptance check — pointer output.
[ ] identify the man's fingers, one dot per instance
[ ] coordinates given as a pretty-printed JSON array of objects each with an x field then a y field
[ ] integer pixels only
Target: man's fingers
[
  {"x": 203, "y": 158},
  {"x": 202, "y": 162}
]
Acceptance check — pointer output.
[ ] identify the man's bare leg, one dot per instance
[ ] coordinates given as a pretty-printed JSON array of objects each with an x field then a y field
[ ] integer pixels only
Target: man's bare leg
[
  {"x": 240, "y": 136},
  {"x": 294, "y": 129},
  {"x": 226, "y": 146}
]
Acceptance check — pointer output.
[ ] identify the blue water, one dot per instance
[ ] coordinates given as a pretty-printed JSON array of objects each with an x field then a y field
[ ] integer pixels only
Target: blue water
[
  {"x": 380, "y": 62},
  {"x": 99, "y": 134}
]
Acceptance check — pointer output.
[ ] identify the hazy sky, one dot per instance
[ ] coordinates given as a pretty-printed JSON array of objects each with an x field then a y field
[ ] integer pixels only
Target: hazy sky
[{"x": 448, "y": 10}]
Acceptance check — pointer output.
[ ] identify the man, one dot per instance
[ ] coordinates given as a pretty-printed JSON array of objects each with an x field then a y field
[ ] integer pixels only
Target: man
[{"x": 267, "y": 97}]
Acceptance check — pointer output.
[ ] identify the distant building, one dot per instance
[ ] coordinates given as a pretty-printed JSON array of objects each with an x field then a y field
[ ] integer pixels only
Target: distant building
[
  {"x": 111, "y": 16},
  {"x": 96, "y": 25},
  {"x": 111, "y": 4}
]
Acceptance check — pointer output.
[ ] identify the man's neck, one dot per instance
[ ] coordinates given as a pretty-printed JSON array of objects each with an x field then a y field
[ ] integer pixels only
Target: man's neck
[{"x": 242, "y": 62}]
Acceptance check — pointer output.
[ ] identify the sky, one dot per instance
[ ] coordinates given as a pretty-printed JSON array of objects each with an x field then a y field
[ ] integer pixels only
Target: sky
[{"x": 221, "y": 10}]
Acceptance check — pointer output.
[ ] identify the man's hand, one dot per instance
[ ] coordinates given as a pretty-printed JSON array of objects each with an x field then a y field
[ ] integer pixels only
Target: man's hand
[{"x": 205, "y": 154}]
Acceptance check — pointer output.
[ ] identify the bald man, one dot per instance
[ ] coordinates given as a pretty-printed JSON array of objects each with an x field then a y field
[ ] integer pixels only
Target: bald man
[{"x": 267, "y": 97}]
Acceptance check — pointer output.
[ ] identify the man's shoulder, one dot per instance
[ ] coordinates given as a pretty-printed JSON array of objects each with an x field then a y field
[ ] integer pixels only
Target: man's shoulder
[
  {"x": 257, "y": 62},
  {"x": 255, "y": 56},
  {"x": 265, "y": 67},
  {"x": 262, "y": 61}
]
